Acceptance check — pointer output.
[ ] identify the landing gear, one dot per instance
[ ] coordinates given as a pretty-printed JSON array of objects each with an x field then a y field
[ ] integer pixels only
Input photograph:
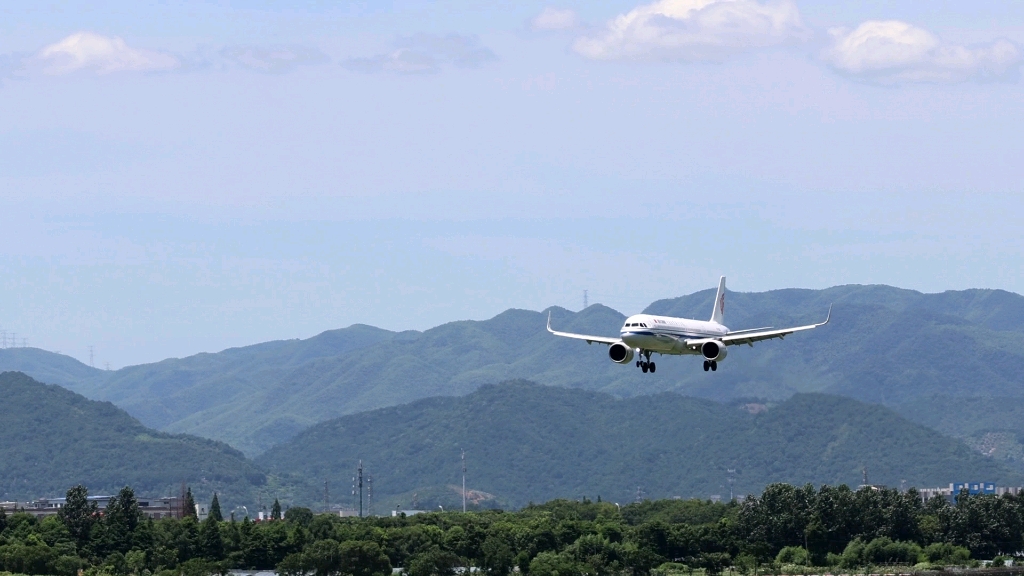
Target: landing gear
[
  {"x": 710, "y": 365},
  {"x": 714, "y": 366},
  {"x": 645, "y": 364},
  {"x": 707, "y": 365}
]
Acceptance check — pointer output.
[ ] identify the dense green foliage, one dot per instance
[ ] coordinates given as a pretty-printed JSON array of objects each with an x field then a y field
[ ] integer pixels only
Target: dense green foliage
[
  {"x": 832, "y": 526},
  {"x": 51, "y": 438},
  {"x": 884, "y": 345},
  {"x": 529, "y": 442}
]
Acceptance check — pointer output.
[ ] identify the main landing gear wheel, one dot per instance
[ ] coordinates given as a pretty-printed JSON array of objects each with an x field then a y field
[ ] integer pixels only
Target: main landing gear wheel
[
  {"x": 644, "y": 367},
  {"x": 651, "y": 368},
  {"x": 714, "y": 366},
  {"x": 707, "y": 365}
]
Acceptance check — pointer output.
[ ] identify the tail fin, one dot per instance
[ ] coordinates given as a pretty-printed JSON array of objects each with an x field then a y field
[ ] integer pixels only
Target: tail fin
[{"x": 718, "y": 313}]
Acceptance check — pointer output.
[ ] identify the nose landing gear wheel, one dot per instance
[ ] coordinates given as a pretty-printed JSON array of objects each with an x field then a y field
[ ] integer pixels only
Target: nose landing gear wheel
[
  {"x": 652, "y": 368},
  {"x": 714, "y": 366},
  {"x": 707, "y": 365}
]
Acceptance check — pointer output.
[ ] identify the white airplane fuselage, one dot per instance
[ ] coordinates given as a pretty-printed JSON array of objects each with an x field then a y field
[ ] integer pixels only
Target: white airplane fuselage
[{"x": 667, "y": 335}]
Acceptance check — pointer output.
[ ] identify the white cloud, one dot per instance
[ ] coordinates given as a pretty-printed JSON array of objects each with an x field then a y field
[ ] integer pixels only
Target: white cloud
[
  {"x": 102, "y": 54},
  {"x": 554, "y": 19},
  {"x": 694, "y": 30},
  {"x": 274, "y": 59},
  {"x": 425, "y": 54},
  {"x": 891, "y": 51}
]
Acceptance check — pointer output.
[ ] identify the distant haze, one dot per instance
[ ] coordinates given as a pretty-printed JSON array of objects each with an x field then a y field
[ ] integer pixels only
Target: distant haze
[{"x": 191, "y": 176}]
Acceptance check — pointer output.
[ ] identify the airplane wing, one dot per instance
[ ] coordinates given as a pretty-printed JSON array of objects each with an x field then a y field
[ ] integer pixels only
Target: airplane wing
[
  {"x": 589, "y": 339},
  {"x": 749, "y": 337}
]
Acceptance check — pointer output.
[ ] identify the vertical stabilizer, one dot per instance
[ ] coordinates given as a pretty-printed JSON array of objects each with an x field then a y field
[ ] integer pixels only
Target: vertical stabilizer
[{"x": 718, "y": 314}]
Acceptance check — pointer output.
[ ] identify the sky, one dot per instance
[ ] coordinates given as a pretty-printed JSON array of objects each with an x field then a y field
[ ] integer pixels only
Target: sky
[{"x": 186, "y": 176}]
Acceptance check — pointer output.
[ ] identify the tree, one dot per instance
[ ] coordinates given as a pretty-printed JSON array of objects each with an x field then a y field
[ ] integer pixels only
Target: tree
[
  {"x": 189, "y": 505},
  {"x": 211, "y": 545},
  {"x": 275, "y": 510},
  {"x": 301, "y": 516},
  {"x": 363, "y": 559},
  {"x": 78, "y": 515},
  {"x": 215, "y": 509},
  {"x": 433, "y": 562},
  {"x": 3, "y": 520},
  {"x": 116, "y": 531}
]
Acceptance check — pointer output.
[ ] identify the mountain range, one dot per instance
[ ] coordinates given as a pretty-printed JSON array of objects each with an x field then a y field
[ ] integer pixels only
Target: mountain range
[
  {"x": 52, "y": 439},
  {"x": 528, "y": 442},
  {"x": 917, "y": 353}
]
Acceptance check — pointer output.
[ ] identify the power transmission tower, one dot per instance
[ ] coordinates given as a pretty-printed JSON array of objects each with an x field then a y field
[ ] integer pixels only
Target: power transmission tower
[
  {"x": 585, "y": 303},
  {"x": 90, "y": 357},
  {"x": 360, "y": 476},
  {"x": 731, "y": 480},
  {"x": 3, "y": 338},
  {"x": 639, "y": 494},
  {"x": 327, "y": 498},
  {"x": 463, "y": 480}
]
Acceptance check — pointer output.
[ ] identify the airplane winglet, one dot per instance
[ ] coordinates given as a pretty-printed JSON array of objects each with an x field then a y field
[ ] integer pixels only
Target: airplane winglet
[
  {"x": 549, "y": 320},
  {"x": 829, "y": 316}
]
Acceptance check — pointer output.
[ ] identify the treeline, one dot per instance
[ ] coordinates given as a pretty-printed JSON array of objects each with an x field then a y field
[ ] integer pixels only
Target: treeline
[{"x": 830, "y": 526}]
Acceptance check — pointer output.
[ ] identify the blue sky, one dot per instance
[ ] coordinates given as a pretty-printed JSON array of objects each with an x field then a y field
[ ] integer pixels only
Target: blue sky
[{"x": 178, "y": 177}]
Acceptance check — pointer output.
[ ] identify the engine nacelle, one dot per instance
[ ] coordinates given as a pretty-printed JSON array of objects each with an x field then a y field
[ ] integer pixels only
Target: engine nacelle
[
  {"x": 714, "y": 350},
  {"x": 620, "y": 353}
]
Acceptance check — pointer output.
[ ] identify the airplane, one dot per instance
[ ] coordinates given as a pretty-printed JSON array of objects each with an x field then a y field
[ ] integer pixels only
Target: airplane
[{"x": 645, "y": 334}]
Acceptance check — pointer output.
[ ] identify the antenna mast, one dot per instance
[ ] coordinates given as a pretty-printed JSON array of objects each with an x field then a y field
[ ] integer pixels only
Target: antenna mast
[{"x": 360, "y": 475}]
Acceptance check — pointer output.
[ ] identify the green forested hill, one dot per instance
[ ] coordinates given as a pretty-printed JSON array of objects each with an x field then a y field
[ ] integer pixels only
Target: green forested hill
[
  {"x": 884, "y": 345},
  {"x": 52, "y": 439},
  {"x": 530, "y": 442}
]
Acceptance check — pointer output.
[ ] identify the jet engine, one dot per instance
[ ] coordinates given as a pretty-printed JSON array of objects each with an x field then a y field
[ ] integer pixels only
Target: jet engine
[
  {"x": 713, "y": 350},
  {"x": 620, "y": 353}
]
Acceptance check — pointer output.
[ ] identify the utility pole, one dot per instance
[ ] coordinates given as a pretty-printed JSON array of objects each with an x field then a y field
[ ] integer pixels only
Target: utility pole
[{"x": 464, "y": 467}]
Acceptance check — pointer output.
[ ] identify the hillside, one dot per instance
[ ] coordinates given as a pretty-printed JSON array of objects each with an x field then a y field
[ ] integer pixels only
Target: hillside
[
  {"x": 530, "y": 442},
  {"x": 52, "y": 439},
  {"x": 884, "y": 345}
]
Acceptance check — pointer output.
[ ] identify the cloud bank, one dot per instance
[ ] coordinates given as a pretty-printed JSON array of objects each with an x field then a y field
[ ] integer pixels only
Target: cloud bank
[
  {"x": 102, "y": 54},
  {"x": 694, "y": 30},
  {"x": 555, "y": 19},
  {"x": 891, "y": 51},
  {"x": 426, "y": 54}
]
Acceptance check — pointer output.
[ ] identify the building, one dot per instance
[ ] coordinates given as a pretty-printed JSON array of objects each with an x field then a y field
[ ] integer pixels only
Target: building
[
  {"x": 156, "y": 508},
  {"x": 953, "y": 490}
]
